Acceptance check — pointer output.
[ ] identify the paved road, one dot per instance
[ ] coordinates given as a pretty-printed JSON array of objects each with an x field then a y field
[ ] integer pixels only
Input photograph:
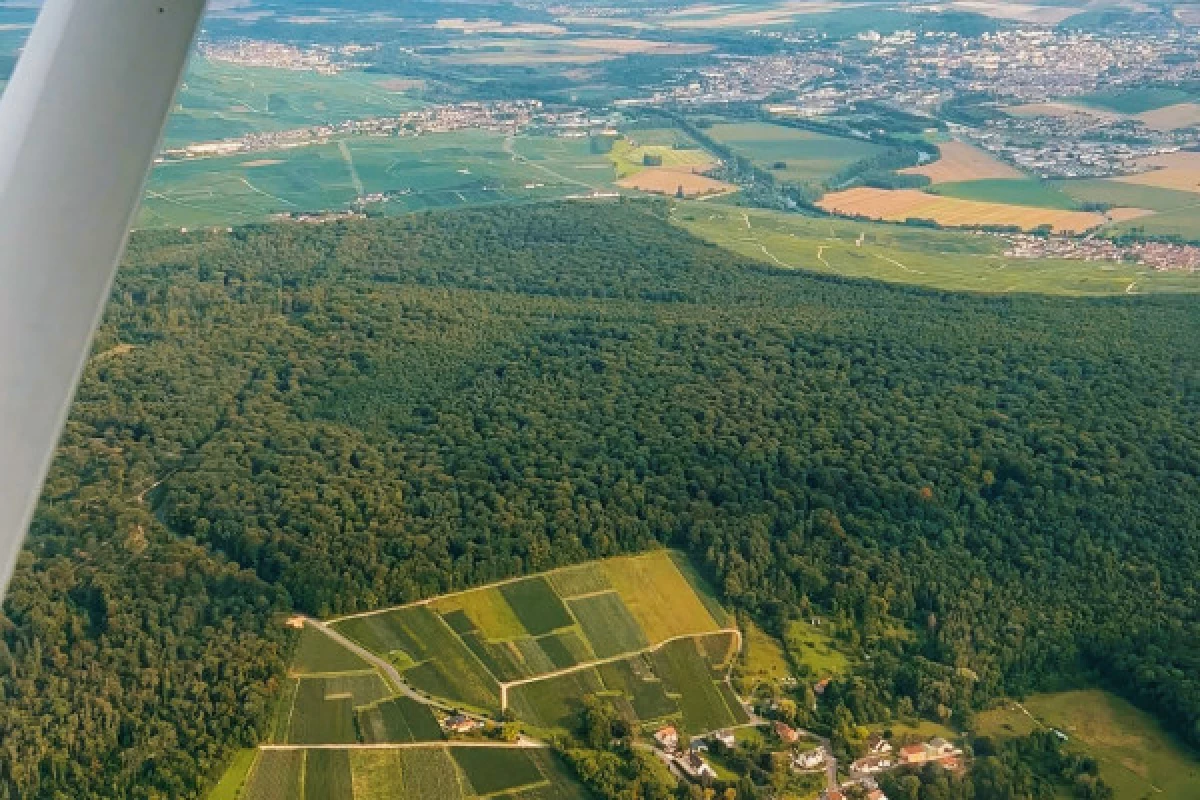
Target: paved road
[{"x": 388, "y": 669}]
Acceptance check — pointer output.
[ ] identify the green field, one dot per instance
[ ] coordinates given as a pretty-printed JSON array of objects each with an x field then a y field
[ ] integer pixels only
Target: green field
[
  {"x": 487, "y": 610},
  {"x": 540, "y": 610},
  {"x": 554, "y": 702},
  {"x": 220, "y": 101},
  {"x": 317, "y": 653},
  {"x": 318, "y": 718},
  {"x": 673, "y": 150},
  {"x": 902, "y": 254},
  {"x": 686, "y": 673},
  {"x": 277, "y": 775},
  {"x": 763, "y": 660},
  {"x": 608, "y": 625},
  {"x": 659, "y": 596},
  {"x": 234, "y": 778},
  {"x": 327, "y": 775},
  {"x": 584, "y": 579},
  {"x": 1135, "y": 101},
  {"x": 1137, "y": 758},
  {"x": 490, "y": 771},
  {"x": 814, "y": 648},
  {"x": 400, "y": 719},
  {"x": 1015, "y": 192},
  {"x": 430, "y": 773},
  {"x": 432, "y": 656},
  {"x": 462, "y": 168},
  {"x": 808, "y": 157}
]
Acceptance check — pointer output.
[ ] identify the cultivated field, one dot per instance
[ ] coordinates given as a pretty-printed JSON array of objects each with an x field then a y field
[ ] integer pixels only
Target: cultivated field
[
  {"x": 805, "y": 156},
  {"x": 463, "y": 168},
  {"x": 898, "y": 205},
  {"x": 1019, "y": 12},
  {"x": 1179, "y": 171},
  {"x": 1173, "y": 117},
  {"x": 638, "y": 630},
  {"x": 629, "y": 155},
  {"x": 1136, "y": 756},
  {"x": 1023, "y": 192},
  {"x": 960, "y": 161},
  {"x": 901, "y": 254},
  {"x": 440, "y": 773},
  {"x": 676, "y": 183}
]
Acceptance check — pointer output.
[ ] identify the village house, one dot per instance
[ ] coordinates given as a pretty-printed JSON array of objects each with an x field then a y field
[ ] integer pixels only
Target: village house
[
  {"x": 786, "y": 733},
  {"x": 876, "y": 794},
  {"x": 695, "y": 767},
  {"x": 832, "y": 794},
  {"x": 820, "y": 686},
  {"x": 459, "y": 723},
  {"x": 811, "y": 759},
  {"x": 726, "y": 738},
  {"x": 667, "y": 738},
  {"x": 872, "y": 764},
  {"x": 878, "y": 746},
  {"x": 938, "y": 750}
]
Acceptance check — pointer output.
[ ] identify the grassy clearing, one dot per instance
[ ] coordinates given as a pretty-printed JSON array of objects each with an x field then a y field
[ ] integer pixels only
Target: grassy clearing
[
  {"x": 277, "y": 775},
  {"x": 632, "y": 155},
  {"x": 608, "y": 625},
  {"x": 813, "y": 647},
  {"x": 763, "y": 660},
  {"x": 491, "y": 770},
  {"x": 1134, "y": 101},
  {"x": 540, "y": 610},
  {"x": 399, "y": 719},
  {"x": 807, "y": 157},
  {"x": 1024, "y": 192},
  {"x": 1136, "y": 756},
  {"x": 493, "y": 616},
  {"x": 317, "y": 653},
  {"x": 948, "y": 260},
  {"x": 231, "y": 783},
  {"x": 327, "y": 775},
  {"x": 686, "y": 673},
  {"x": 658, "y": 596}
]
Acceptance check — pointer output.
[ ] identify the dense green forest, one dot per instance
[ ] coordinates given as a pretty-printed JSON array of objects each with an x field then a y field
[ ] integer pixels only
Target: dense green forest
[{"x": 368, "y": 412}]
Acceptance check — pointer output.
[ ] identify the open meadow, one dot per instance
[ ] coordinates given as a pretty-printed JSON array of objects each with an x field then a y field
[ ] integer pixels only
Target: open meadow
[
  {"x": 220, "y": 101},
  {"x": 792, "y": 155},
  {"x": 1137, "y": 758},
  {"x": 462, "y": 168},
  {"x": 903, "y": 254}
]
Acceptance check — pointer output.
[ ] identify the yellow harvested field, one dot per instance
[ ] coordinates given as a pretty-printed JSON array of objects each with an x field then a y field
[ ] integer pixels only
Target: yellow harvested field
[
  {"x": 1179, "y": 171},
  {"x": 1061, "y": 110},
  {"x": 662, "y": 180},
  {"x": 1169, "y": 118},
  {"x": 733, "y": 16},
  {"x": 898, "y": 205},
  {"x": 1020, "y": 12},
  {"x": 472, "y": 26},
  {"x": 640, "y": 46},
  {"x": 402, "y": 84},
  {"x": 963, "y": 162},
  {"x": 1126, "y": 214},
  {"x": 262, "y": 162},
  {"x": 659, "y": 597}
]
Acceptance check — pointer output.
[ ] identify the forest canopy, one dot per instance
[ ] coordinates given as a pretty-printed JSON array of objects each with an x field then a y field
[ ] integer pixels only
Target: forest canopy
[{"x": 336, "y": 417}]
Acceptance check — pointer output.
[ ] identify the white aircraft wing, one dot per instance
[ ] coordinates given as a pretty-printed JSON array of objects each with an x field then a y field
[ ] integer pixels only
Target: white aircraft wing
[{"x": 80, "y": 125}]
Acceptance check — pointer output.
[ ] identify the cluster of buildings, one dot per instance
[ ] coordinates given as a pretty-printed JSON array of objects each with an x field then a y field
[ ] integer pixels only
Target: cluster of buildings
[
  {"x": 254, "y": 53},
  {"x": 510, "y": 116},
  {"x": 461, "y": 724},
  {"x": 1157, "y": 256},
  {"x": 690, "y": 763}
]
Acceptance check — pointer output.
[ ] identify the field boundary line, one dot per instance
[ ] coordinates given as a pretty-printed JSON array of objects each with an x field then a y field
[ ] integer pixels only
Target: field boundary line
[
  {"x": 496, "y": 584},
  {"x": 523, "y": 744},
  {"x": 504, "y": 687}
]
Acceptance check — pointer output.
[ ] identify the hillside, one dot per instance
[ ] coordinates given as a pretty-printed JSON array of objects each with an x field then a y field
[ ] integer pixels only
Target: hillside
[{"x": 987, "y": 495}]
